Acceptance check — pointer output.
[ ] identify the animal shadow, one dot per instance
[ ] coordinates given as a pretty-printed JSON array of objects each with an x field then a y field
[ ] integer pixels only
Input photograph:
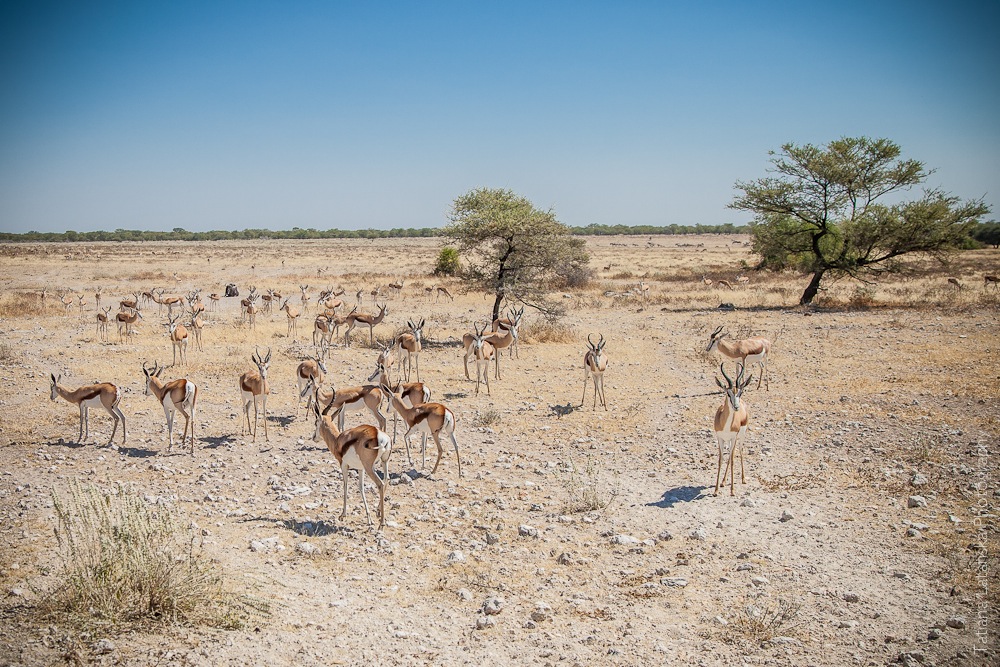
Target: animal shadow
[
  {"x": 138, "y": 452},
  {"x": 216, "y": 441},
  {"x": 561, "y": 411},
  {"x": 679, "y": 494},
  {"x": 284, "y": 422}
]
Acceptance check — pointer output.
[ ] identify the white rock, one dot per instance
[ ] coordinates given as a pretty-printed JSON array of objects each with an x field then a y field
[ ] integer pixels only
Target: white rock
[
  {"x": 455, "y": 557},
  {"x": 916, "y": 501},
  {"x": 786, "y": 516},
  {"x": 624, "y": 539},
  {"x": 493, "y": 606},
  {"x": 103, "y": 646},
  {"x": 699, "y": 534}
]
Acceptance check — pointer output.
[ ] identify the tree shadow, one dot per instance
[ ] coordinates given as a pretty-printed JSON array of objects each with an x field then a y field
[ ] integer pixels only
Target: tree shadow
[{"x": 679, "y": 494}]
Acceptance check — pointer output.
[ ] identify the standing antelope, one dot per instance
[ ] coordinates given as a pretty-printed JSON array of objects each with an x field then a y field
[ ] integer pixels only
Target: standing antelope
[
  {"x": 411, "y": 344},
  {"x": 197, "y": 324},
  {"x": 354, "y": 398},
  {"x": 178, "y": 339},
  {"x": 83, "y": 302},
  {"x": 293, "y": 318},
  {"x": 442, "y": 291},
  {"x": 483, "y": 351},
  {"x": 364, "y": 318},
  {"x": 129, "y": 304},
  {"x": 67, "y": 302},
  {"x": 991, "y": 280},
  {"x": 594, "y": 364},
  {"x": 360, "y": 296},
  {"x": 97, "y": 299},
  {"x": 432, "y": 418},
  {"x": 253, "y": 386},
  {"x": 742, "y": 280},
  {"x": 89, "y": 396},
  {"x": 731, "y": 420},
  {"x": 748, "y": 352},
  {"x": 724, "y": 283},
  {"x": 213, "y": 301},
  {"x": 706, "y": 281},
  {"x": 310, "y": 370},
  {"x": 251, "y": 311},
  {"x": 512, "y": 322},
  {"x": 359, "y": 448},
  {"x": 126, "y": 322},
  {"x": 102, "y": 323},
  {"x": 396, "y": 288},
  {"x": 323, "y": 328},
  {"x": 175, "y": 396},
  {"x": 411, "y": 393},
  {"x": 304, "y": 298}
]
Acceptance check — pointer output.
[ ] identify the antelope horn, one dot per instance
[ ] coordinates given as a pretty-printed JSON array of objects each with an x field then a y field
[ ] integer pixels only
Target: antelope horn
[
  {"x": 716, "y": 332},
  {"x": 590, "y": 342},
  {"x": 333, "y": 395},
  {"x": 722, "y": 367}
]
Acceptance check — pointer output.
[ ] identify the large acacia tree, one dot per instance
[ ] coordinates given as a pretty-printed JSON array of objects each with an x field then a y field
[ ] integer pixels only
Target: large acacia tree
[
  {"x": 823, "y": 211},
  {"x": 512, "y": 249}
]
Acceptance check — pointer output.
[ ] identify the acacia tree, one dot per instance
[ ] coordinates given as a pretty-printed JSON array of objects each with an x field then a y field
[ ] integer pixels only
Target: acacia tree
[
  {"x": 822, "y": 212},
  {"x": 512, "y": 249}
]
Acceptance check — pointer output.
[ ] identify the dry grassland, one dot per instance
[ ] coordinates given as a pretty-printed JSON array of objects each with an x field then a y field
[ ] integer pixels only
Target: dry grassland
[{"x": 817, "y": 559}]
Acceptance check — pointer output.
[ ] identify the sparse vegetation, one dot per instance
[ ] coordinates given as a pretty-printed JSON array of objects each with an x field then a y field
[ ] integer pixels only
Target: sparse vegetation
[
  {"x": 762, "y": 619},
  {"x": 585, "y": 491},
  {"x": 126, "y": 562}
]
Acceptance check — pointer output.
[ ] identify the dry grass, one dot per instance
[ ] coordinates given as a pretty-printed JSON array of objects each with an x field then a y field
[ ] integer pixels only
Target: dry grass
[{"x": 125, "y": 562}]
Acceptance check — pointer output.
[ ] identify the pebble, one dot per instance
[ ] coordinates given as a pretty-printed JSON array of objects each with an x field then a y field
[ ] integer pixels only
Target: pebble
[
  {"x": 956, "y": 622},
  {"x": 748, "y": 502},
  {"x": 699, "y": 534},
  {"x": 623, "y": 539},
  {"x": 103, "y": 646},
  {"x": 851, "y": 597},
  {"x": 525, "y": 530},
  {"x": 916, "y": 501},
  {"x": 664, "y": 536},
  {"x": 675, "y": 582},
  {"x": 542, "y": 612},
  {"x": 308, "y": 548},
  {"x": 465, "y": 594},
  {"x": 918, "y": 479},
  {"x": 934, "y": 633},
  {"x": 786, "y": 516},
  {"x": 493, "y": 606},
  {"x": 759, "y": 581},
  {"x": 484, "y": 622}
]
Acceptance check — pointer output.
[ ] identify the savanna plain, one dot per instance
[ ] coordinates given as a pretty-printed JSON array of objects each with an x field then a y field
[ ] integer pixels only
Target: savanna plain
[{"x": 864, "y": 534}]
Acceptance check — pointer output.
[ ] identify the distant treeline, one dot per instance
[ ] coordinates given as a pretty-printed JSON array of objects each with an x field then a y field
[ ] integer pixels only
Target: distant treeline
[{"x": 178, "y": 234}]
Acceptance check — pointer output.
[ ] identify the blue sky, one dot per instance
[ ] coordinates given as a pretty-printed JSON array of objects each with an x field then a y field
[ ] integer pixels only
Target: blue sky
[{"x": 229, "y": 115}]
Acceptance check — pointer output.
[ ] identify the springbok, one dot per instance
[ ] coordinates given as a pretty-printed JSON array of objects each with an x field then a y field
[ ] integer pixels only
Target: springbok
[
  {"x": 89, "y": 396},
  {"x": 594, "y": 365},
  {"x": 179, "y": 395},
  {"x": 411, "y": 343},
  {"x": 364, "y": 318},
  {"x": 253, "y": 385},
  {"x": 432, "y": 418},
  {"x": 731, "y": 420},
  {"x": 748, "y": 351}
]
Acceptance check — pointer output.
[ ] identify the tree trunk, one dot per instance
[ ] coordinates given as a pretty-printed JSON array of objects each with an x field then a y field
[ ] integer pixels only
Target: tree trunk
[
  {"x": 812, "y": 289},
  {"x": 496, "y": 306}
]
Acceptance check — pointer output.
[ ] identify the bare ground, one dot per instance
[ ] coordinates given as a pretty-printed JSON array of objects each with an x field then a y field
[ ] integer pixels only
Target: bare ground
[{"x": 816, "y": 560}]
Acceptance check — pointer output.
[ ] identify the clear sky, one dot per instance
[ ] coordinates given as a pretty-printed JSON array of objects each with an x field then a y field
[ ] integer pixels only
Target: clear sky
[{"x": 229, "y": 115}]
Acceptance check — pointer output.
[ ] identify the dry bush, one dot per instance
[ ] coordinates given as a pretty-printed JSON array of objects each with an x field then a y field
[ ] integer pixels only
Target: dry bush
[
  {"x": 488, "y": 417},
  {"x": 547, "y": 330},
  {"x": 584, "y": 490},
  {"x": 20, "y": 304},
  {"x": 126, "y": 563},
  {"x": 764, "y": 619}
]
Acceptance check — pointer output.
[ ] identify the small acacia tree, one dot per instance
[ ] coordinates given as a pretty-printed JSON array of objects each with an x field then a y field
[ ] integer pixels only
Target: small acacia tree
[
  {"x": 822, "y": 212},
  {"x": 513, "y": 250}
]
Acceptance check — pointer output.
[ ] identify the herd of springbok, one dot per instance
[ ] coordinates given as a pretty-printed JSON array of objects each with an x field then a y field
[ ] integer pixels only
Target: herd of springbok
[{"x": 367, "y": 448}]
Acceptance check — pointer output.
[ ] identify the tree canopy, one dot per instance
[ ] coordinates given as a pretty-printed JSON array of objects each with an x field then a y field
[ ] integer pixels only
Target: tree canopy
[
  {"x": 822, "y": 211},
  {"x": 512, "y": 249}
]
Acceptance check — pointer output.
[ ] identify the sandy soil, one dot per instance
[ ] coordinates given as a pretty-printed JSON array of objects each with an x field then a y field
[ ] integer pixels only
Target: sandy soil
[{"x": 874, "y": 396}]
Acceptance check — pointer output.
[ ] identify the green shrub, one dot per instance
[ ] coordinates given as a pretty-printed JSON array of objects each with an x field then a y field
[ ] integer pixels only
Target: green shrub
[{"x": 447, "y": 262}]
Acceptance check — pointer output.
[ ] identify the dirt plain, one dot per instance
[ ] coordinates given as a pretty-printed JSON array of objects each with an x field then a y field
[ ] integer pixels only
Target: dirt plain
[{"x": 875, "y": 394}]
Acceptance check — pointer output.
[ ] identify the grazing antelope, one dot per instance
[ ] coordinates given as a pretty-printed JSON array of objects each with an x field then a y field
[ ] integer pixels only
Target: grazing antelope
[
  {"x": 731, "y": 420},
  {"x": 254, "y": 387},
  {"x": 512, "y": 322},
  {"x": 742, "y": 280},
  {"x": 747, "y": 352},
  {"x": 293, "y": 318},
  {"x": 371, "y": 320},
  {"x": 954, "y": 281},
  {"x": 432, "y": 418},
  {"x": 594, "y": 364},
  {"x": 483, "y": 351},
  {"x": 359, "y": 448},
  {"x": 706, "y": 281},
  {"x": 396, "y": 288},
  {"x": 310, "y": 370},
  {"x": 991, "y": 280},
  {"x": 410, "y": 344},
  {"x": 178, "y": 395},
  {"x": 197, "y": 325},
  {"x": 724, "y": 283},
  {"x": 89, "y": 396},
  {"x": 102, "y": 323},
  {"x": 126, "y": 322},
  {"x": 178, "y": 339},
  {"x": 442, "y": 291},
  {"x": 304, "y": 298}
]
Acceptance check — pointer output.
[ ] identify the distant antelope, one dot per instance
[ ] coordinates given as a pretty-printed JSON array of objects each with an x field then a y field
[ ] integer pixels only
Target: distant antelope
[
  {"x": 594, "y": 365},
  {"x": 89, "y": 396},
  {"x": 748, "y": 351},
  {"x": 706, "y": 281},
  {"x": 178, "y": 339},
  {"x": 102, "y": 323},
  {"x": 304, "y": 298},
  {"x": 954, "y": 281},
  {"x": 361, "y": 448},
  {"x": 724, "y": 283},
  {"x": 97, "y": 299},
  {"x": 67, "y": 302},
  {"x": 742, "y": 280},
  {"x": 360, "y": 296},
  {"x": 254, "y": 388},
  {"x": 129, "y": 303},
  {"x": 731, "y": 421},
  {"x": 442, "y": 291},
  {"x": 396, "y": 288},
  {"x": 213, "y": 301},
  {"x": 83, "y": 302},
  {"x": 175, "y": 396},
  {"x": 991, "y": 280},
  {"x": 483, "y": 351},
  {"x": 293, "y": 318},
  {"x": 512, "y": 322},
  {"x": 364, "y": 318}
]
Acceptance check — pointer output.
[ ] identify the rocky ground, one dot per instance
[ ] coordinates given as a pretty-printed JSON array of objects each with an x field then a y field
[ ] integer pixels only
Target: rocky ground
[{"x": 575, "y": 536}]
